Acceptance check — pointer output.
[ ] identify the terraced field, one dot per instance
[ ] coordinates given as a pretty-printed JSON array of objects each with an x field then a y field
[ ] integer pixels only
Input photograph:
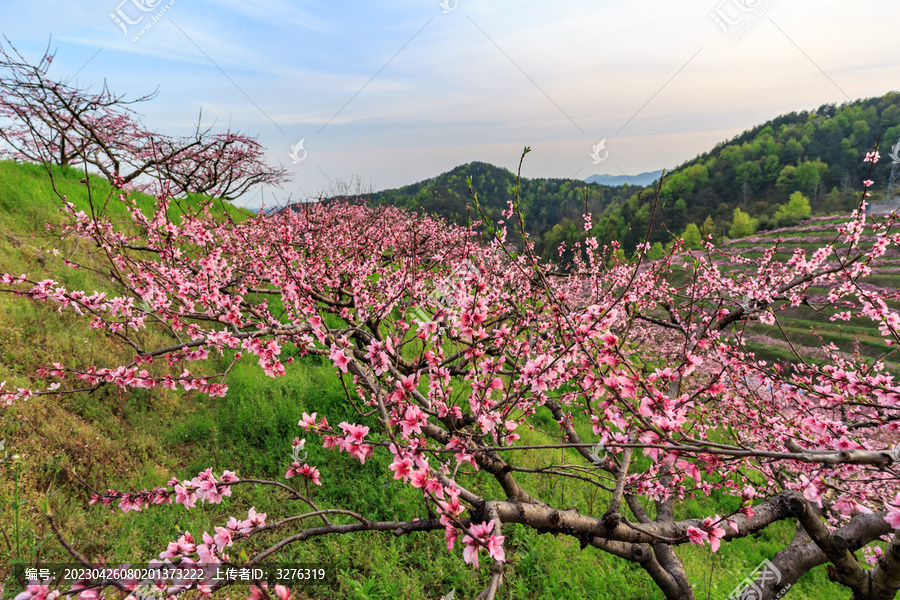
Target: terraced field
[{"x": 809, "y": 327}]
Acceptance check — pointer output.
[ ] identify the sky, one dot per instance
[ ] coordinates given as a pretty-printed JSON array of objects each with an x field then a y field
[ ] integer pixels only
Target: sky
[{"x": 393, "y": 92}]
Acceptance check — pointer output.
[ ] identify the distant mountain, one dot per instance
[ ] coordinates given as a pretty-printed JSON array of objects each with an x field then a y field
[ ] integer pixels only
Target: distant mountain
[
  {"x": 617, "y": 180},
  {"x": 553, "y": 208},
  {"x": 817, "y": 153}
]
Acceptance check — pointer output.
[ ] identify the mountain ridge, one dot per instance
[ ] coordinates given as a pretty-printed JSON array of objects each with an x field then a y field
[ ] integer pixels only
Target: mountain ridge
[
  {"x": 645, "y": 178},
  {"x": 815, "y": 153}
]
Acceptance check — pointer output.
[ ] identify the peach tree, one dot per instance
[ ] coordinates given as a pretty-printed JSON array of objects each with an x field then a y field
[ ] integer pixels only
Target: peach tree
[{"x": 448, "y": 341}]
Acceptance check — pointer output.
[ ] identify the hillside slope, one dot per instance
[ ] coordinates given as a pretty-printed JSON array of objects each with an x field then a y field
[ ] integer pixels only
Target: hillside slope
[{"x": 793, "y": 330}]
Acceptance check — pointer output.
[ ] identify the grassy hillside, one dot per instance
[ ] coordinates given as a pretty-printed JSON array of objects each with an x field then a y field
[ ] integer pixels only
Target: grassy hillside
[{"x": 141, "y": 439}]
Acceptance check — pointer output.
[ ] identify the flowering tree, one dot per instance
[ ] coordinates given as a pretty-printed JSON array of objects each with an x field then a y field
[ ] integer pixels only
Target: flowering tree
[
  {"x": 46, "y": 120},
  {"x": 643, "y": 365}
]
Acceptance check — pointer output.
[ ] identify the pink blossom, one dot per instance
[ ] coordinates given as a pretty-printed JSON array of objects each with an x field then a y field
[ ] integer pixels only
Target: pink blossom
[
  {"x": 697, "y": 536},
  {"x": 339, "y": 358},
  {"x": 481, "y": 534},
  {"x": 312, "y": 473},
  {"x": 812, "y": 490},
  {"x": 206, "y": 552},
  {"x": 418, "y": 478},
  {"x": 256, "y": 519},
  {"x": 470, "y": 552},
  {"x": 716, "y": 532},
  {"x": 893, "y": 513},
  {"x": 450, "y": 535},
  {"x": 495, "y": 547},
  {"x": 223, "y": 538},
  {"x": 280, "y": 592},
  {"x": 402, "y": 468},
  {"x": 38, "y": 591},
  {"x": 872, "y": 157},
  {"x": 355, "y": 433},
  {"x": 413, "y": 420},
  {"x": 434, "y": 486},
  {"x": 308, "y": 422}
]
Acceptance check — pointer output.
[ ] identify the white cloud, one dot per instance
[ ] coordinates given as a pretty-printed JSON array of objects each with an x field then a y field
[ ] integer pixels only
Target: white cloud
[{"x": 456, "y": 93}]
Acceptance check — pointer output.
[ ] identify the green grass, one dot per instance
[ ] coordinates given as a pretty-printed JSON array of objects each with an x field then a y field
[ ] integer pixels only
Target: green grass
[
  {"x": 105, "y": 437},
  {"x": 807, "y": 330}
]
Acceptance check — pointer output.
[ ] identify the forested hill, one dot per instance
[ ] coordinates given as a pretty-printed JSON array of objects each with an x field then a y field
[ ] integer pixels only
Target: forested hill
[
  {"x": 553, "y": 207},
  {"x": 818, "y": 154},
  {"x": 762, "y": 172}
]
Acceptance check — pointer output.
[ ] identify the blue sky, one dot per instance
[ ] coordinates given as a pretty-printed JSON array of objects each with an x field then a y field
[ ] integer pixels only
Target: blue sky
[{"x": 396, "y": 92}]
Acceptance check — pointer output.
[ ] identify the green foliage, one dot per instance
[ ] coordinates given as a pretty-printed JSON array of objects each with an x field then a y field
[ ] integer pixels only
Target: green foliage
[
  {"x": 809, "y": 175},
  {"x": 798, "y": 205},
  {"x": 794, "y": 211},
  {"x": 742, "y": 225},
  {"x": 692, "y": 238},
  {"x": 708, "y": 228},
  {"x": 786, "y": 179}
]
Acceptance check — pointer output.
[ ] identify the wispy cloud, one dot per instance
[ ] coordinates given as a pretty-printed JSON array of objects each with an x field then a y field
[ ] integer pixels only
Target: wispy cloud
[{"x": 432, "y": 90}]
